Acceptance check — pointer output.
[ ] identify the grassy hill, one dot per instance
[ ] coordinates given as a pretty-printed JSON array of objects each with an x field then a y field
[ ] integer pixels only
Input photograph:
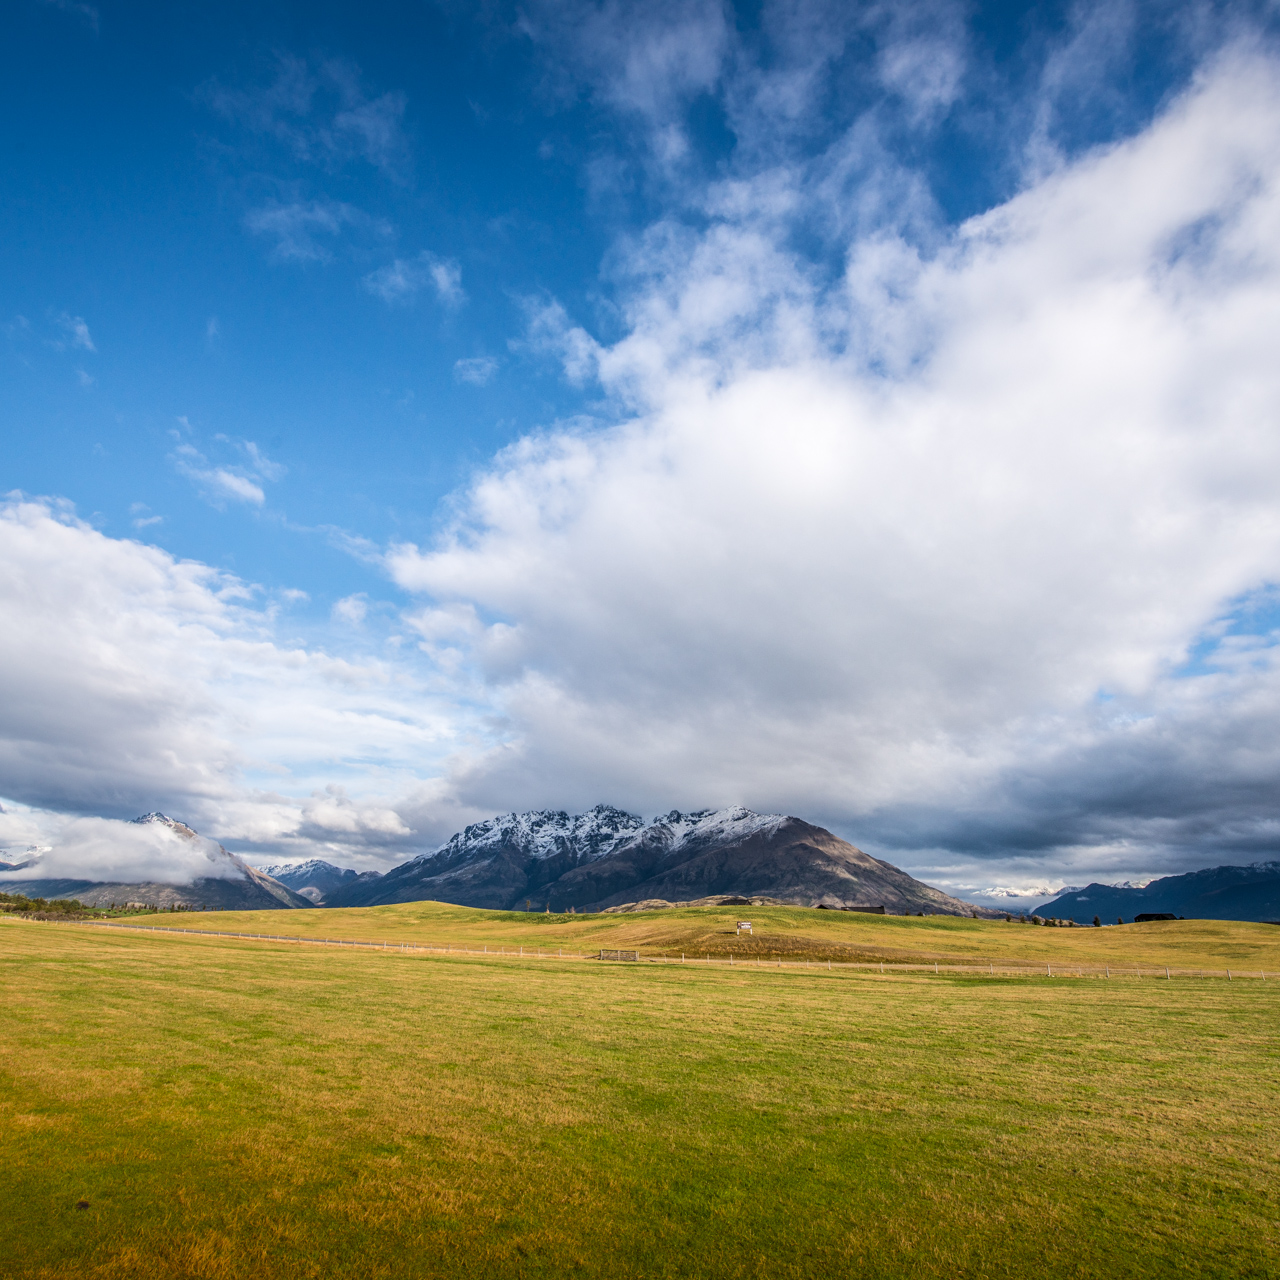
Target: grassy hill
[{"x": 793, "y": 933}]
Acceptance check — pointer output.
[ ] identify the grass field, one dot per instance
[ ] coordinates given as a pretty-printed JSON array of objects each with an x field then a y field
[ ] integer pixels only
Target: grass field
[
  {"x": 237, "y": 1109},
  {"x": 793, "y": 933}
]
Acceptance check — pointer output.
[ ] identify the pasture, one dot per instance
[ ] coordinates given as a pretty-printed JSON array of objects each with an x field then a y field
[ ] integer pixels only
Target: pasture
[
  {"x": 231, "y": 1109},
  {"x": 794, "y": 934}
]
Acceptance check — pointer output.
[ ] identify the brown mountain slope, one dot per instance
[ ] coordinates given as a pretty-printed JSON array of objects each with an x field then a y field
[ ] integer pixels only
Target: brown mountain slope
[{"x": 793, "y": 861}]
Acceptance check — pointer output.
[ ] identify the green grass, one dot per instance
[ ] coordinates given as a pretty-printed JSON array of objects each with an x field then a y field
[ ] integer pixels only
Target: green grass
[{"x": 238, "y": 1109}]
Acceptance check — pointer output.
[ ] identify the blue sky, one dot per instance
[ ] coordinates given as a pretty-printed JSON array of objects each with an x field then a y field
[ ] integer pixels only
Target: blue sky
[
  {"x": 416, "y": 412},
  {"x": 142, "y": 145}
]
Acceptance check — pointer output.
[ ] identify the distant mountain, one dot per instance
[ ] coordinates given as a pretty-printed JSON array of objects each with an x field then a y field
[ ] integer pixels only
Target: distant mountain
[
  {"x": 316, "y": 880},
  {"x": 1217, "y": 893},
  {"x": 248, "y": 890},
  {"x": 607, "y": 857},
  {"x": 500, "y": 862}
]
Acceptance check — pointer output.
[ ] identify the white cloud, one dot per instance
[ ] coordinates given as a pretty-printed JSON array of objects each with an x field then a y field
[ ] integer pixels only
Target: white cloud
[
  {"x": 304, "y": 229},
  {"x": 403, "y": 279},
  {"x": 477, "y": 370},
  {"x": 351, "y": 609},
  {"x": 331, "y": 812},
  {"x": 106, "y": 849},
  {"x": 140, "y": 516},
  {"x": 217, "y": 483},
  {"x": 131, "y": 681},
  {"x": 260, "y": 463},
  {"x": 873, "y": 552},
  {"x": 77, "y": 331},
  {"x": 647, "y": 60},
  {"x": 322, "y": 114},
  {"x": 237, "y": 483}
]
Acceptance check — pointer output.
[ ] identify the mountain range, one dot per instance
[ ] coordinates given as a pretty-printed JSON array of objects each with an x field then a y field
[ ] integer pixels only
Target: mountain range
[
  {"x": 1216, "y": 893},
  {"x": 316, "y": 880},
  {"x": 606, "y": 857},
  {"x": 243, "y": 889}
]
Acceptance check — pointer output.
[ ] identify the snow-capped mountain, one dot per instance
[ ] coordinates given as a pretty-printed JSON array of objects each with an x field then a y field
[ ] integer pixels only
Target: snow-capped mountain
[
  {"x": 607, "y": 857},
  {"x": 545, "y": 834},
  {"x": 315, "y": 879}
]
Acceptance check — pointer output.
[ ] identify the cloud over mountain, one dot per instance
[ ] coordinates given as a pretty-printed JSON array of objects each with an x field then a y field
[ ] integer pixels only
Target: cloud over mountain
[{"x": 933, "y": 537}]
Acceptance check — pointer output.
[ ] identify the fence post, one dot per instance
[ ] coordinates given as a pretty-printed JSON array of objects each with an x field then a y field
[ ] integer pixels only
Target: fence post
[
  {"x": 1166, "y": 971},
  {"x": 1228, "y": 975}
]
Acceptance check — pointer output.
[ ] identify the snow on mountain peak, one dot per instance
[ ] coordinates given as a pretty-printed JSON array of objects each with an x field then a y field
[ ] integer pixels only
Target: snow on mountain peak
[
  {"x": 720, "y": 824},
  {"x": 544, "y": 833},
  {"x": 313, "y": 866}
]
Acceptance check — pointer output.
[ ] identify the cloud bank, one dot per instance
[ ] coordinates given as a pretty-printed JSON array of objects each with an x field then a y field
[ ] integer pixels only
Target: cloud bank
[
  {"x": 54, "y": 847},
  {"x": 132, "y": 681}
]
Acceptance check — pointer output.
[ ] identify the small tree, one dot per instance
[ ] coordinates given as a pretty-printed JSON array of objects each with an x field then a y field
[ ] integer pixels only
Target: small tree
[
  {"x": 1097, "y": 922},
  {"x": 1119, "y": 920}
]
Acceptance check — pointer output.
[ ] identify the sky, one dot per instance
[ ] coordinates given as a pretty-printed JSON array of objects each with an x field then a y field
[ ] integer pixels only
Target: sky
[{"x": 416, "y": 412}]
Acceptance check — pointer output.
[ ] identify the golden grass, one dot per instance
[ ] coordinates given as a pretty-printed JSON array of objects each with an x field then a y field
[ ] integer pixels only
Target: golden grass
[
  {"x": 790, "y": 932},
  {"x": 234, "y": 1109}
]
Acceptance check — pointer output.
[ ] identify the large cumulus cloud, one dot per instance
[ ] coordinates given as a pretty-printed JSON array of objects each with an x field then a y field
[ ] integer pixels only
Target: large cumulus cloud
[{"x": 924, "y": 551}]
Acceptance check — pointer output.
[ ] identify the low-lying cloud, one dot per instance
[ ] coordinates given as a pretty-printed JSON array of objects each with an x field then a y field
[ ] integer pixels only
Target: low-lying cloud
[{"x": 53, "y": 847}]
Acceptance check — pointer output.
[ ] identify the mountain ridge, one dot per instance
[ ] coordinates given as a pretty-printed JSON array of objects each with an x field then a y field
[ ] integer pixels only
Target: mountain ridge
[
  {"x": 316, "y": 879},
  {"x": 1213, "y": 893},
  {"x": 608, "y": 857}
]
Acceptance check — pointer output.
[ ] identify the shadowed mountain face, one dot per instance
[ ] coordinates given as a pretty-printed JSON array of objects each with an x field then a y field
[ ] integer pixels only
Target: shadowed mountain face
[
  {"x": 606, "y": 857},
  {"x": 1217, "y": 893},
  {"x": 245, "y": 889},
  {"x": 316, "y": 880}
]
